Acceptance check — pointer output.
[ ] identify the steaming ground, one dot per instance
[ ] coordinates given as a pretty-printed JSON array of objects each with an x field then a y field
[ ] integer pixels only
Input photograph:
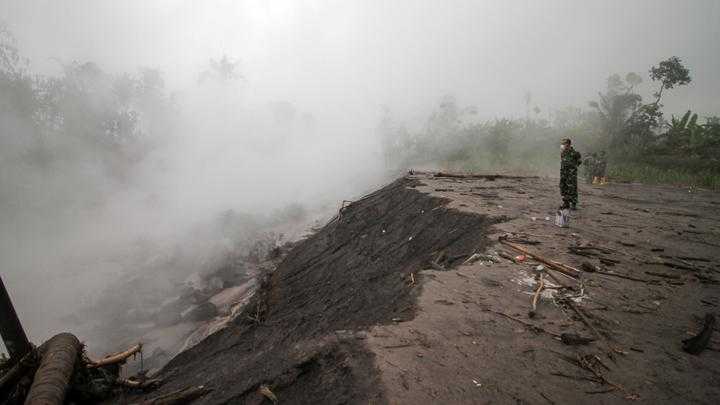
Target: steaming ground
[{"x": 223, "y": 176}]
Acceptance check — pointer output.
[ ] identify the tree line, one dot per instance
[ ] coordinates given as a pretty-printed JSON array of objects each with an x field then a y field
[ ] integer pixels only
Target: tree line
[{"x": 633, "y": 131}]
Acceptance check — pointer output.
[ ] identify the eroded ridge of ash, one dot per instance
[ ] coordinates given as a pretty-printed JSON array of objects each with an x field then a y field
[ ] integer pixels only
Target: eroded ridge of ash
[{"x": 303, "y": 334}]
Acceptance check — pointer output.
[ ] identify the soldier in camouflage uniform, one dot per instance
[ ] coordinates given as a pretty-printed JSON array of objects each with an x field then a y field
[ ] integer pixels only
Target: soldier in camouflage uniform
[{"x": 570, "y": 159}]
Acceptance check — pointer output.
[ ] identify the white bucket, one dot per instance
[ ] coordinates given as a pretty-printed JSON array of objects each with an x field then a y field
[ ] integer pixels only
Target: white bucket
[{"x": 562, "y": 218}]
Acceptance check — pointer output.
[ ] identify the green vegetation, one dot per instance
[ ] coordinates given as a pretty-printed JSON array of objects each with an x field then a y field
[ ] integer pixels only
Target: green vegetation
[
  {"x": 642, "y": 146},
  {"x": 650, "y": 174}
]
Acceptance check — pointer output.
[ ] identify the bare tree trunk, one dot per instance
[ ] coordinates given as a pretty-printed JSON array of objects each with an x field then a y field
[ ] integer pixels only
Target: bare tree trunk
[
  {"x": 56, "y": 368},
  {"x": 659, "y": 94}
]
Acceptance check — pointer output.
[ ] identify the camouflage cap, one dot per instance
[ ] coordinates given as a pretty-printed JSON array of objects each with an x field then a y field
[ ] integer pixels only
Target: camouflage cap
[{"x": 566, "y": 141}]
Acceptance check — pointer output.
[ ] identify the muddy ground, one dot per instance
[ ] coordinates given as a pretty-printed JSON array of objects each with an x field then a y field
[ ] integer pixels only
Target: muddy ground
[{"x": 378, "y": 307}]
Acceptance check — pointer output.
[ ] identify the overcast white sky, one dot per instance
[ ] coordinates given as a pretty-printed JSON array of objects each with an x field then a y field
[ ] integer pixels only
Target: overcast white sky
[{"x": 406, "y": 54}]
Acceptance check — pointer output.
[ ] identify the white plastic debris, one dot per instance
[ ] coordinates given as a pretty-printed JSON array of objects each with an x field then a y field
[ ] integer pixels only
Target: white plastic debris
[{"x": 562, "y": 218}]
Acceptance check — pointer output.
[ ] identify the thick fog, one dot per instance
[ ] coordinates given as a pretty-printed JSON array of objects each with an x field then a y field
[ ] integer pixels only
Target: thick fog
[
  {"x": 344, "y": 58},
  {"x": 257, "y": 106}
]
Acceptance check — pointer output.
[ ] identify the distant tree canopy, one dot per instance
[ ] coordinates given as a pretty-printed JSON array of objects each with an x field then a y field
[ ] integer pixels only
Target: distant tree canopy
[
  {"x": 82, "y": 115},
  {"x": 221, "y": 70},
  {"x": 619, "y": 121},
  {"x": 669, "y": 73}
]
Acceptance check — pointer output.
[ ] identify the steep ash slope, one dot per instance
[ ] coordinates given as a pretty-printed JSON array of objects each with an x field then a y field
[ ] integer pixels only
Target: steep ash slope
[{"x": 301, "y": 335}]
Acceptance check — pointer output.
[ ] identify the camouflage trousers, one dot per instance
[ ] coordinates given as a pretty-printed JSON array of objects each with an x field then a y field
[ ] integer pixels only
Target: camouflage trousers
[{"x": 568, "y": 188}]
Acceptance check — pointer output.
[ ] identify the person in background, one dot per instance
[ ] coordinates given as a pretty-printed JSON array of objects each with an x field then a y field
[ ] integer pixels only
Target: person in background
[
  {"x": 570, "y": 159},
  {"x": 602, "y": 168},
  {"x": 589, "y": 164}
]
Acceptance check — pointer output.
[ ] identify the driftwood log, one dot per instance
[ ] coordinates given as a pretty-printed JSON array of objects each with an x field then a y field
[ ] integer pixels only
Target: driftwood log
[{"x": 117, "y": 357}]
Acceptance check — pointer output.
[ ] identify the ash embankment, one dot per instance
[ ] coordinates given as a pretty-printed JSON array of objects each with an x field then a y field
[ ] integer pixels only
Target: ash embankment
[{"x": 302, "y": 335}]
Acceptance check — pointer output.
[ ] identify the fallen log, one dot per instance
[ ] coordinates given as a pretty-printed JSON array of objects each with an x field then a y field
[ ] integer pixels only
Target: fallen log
[{"x": 56, "y": 368}]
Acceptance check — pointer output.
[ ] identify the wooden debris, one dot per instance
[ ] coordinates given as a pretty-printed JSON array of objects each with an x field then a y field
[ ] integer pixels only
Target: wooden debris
[
  {"x": 557, "y": 266},
  {"x": 264, "y": 390},
  {"x": 590, "y": 363},
  {"x": 116, "y": 358},
  {"x": 539, "y": 289},
  {"x": 473, "y": 258}
]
